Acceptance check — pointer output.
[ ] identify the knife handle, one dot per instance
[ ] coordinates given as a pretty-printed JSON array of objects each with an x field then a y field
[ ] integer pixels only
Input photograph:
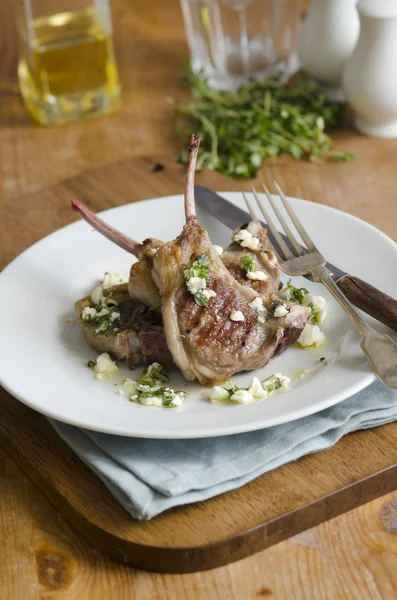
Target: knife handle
[{"x": 369, "y": 299}]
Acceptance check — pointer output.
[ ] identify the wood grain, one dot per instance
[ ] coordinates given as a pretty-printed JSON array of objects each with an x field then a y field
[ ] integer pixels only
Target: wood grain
[
  {"x": 282, "y": 503},
  {"x": 204, "y": 535},
  {"x": 350, "y": 557}
]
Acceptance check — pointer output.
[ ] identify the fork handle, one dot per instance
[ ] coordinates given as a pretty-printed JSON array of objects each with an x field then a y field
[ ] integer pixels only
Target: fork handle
[
  {"x": 379, "y": 348},
  {"x": 369, "y": 299}
]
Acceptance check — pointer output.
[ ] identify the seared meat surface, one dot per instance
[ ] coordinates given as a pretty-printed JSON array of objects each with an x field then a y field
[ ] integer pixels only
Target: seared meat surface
[
  {"x": 140, "y": 339},
  {"x": 263, "y": 259},
  {"x": 206, "y": 342}
]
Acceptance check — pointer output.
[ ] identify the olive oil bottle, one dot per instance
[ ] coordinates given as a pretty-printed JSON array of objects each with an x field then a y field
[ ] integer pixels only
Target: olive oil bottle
[{"x": 67, "y": 69}]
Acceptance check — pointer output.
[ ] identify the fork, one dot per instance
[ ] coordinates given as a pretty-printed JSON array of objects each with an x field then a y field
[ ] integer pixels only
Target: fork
[{"x": 296, "y": 259}]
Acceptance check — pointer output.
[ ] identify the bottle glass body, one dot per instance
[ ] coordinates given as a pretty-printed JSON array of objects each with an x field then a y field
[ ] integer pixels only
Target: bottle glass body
[{"x": 67, "y": 69}]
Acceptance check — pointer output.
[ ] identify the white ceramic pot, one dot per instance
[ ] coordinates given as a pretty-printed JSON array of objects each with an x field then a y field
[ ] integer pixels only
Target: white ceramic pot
[
  {"x": 370, "y": 74},
  {"x": 327, "y": 38}
]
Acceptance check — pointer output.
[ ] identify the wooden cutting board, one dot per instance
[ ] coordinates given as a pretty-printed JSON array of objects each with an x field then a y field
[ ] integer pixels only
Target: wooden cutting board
[{"x": 300, "y": 495}]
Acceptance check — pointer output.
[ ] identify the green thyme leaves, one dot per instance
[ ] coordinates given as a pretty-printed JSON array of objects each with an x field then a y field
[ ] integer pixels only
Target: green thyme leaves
[{"x": 240, "y": 129}]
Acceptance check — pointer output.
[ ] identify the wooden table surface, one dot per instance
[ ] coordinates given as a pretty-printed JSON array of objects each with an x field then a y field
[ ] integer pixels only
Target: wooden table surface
[{"x": 351, "y": 557}]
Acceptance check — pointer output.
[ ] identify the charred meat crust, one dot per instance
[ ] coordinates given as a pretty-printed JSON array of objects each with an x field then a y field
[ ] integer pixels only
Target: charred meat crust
[{"x": 141, "y": 338}]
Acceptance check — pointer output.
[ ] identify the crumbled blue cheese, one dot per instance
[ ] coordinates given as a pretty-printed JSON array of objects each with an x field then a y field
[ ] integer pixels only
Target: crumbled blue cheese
[
  {"x": 195, "y": 284},
  {"x": 258, "y": 390},
  {"x": 317, "y": 304},
  {"x": 103, "y": 312},
  {"x": 218, "y": 394},
  {"x": 260, "y": 320},
  {"x": 218, "y": 249},
  {"x": 276, "y": 382},
  {"x": 105, "y": 367},
  {"x": 242, "y": 396},
  {"x": 177, "y": 400},
  {"x": 148, "y": 391},
  {"x": 311, "y": 336},
  {"x": 197, "y": 277},
  {"x": 281, "y": 311},
  {"x": 111, "y": 279},
  {"x": 97, "y": 296},
  {"x": 208, "y": 293},
  {"x": 257, "y": 275},
  {"x": 88, "y": 313},
  {"x": 257, "y": 305},
  {"x": 127, "y": 388},
  {"x": 151, "y": 401},
  {"x": 114, "y": 316},
  {"x": 237, "y": 315},
  {"x": 246, "y": 239}
]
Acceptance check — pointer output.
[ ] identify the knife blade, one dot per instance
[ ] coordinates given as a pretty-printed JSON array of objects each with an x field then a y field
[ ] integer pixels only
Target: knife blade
[
  {"x": 379, "y": 305},
  {"x": 232, "y": 216}
]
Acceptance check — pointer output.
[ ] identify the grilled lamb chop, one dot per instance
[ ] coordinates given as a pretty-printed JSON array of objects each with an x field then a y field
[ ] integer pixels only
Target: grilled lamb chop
[
  {"x": 141, "y": 285},
  {"x": 140, "y": 339},
  {"x": 205, "y": 343},
  {"x": 211, "y": 343},
  {"x": 263, "y": 259}
]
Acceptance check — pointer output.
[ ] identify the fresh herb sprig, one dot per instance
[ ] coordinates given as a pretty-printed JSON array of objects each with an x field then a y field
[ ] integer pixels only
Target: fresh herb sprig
[
  {"x": 295, "y": 294},
  {"x": 240, "y": 129}
]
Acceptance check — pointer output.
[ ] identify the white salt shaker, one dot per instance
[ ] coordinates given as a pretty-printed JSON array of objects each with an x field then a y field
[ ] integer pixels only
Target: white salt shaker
[
  {"x": 327, "y": 39},
  {"x": 370, "y": 74}
]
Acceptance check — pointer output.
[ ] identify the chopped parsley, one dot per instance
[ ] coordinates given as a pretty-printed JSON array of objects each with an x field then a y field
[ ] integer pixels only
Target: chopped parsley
[
  {"x": 149, "y": 391},
  {"x": 201, "y": 298},
  {"x": 258, "y": 390},
  {"x": 153, "y": 375},
  {"x": 196, "y": 276},
  {"x": 295, "y": 294},
  {"x": 247, "y": 263},
  {"x": 107, "y": 318},
  {"x": 169, "y": 397},
  {"x": 315, "y": 303},
  {"x": 199, "y": 268}
]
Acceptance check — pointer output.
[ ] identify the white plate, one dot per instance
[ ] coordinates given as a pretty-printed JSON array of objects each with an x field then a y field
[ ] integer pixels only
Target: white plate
[{"x": 43, "y": 359}]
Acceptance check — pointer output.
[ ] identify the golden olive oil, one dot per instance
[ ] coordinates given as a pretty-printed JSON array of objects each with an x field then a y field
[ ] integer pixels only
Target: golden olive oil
[{"x": 67, "y": 70}]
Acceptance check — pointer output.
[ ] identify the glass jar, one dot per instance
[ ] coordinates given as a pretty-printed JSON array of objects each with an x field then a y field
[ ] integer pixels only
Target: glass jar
[
  {"x": 67, "y": 69},
  {"x": 233, "y": 40}
]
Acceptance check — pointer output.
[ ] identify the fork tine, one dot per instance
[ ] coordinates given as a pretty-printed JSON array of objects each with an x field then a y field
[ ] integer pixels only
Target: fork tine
[
  {"x": 254, "y": 217},
  {"x": 301, "y": 230},
  {"x": 297, "y": 247},
  {"x": 282, "y": 245},
  {"x": 250, "y": 207}
]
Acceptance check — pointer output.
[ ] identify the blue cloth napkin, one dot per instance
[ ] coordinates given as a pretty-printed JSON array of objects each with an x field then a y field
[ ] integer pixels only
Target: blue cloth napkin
[{"x": 150, "y": 476}]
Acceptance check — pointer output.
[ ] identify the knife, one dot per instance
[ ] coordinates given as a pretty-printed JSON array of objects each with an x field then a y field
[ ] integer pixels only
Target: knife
[{"x": 379, "y": 305}]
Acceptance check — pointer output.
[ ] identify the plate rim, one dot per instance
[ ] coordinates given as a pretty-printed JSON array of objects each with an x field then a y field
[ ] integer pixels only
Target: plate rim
[{"x": 367, "y": 378}]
